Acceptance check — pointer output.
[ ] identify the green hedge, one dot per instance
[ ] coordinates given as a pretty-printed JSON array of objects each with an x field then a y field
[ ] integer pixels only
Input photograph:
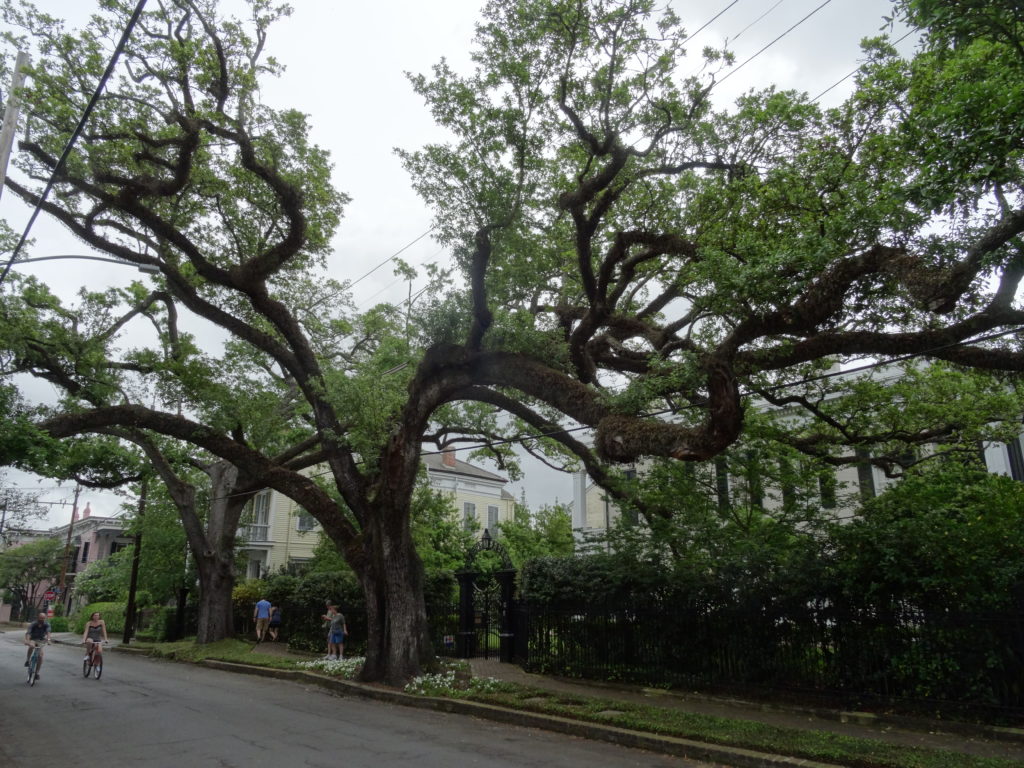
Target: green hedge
[{"x": 112, "y": 613}]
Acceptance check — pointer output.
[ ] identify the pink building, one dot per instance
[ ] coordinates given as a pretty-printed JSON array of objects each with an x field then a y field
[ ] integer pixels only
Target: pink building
[{"x": 92, "y": 538}]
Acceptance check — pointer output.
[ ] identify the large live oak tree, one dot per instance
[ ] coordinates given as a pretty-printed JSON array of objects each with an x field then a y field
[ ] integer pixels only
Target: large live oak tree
[{"x": 626, "y": 246}]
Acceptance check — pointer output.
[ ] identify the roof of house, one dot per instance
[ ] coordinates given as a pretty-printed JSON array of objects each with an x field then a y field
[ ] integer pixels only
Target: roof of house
[{"x": 434, "y": 463}]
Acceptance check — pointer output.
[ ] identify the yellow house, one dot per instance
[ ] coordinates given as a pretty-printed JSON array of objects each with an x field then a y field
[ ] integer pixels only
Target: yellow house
[
  {"x": 479, "y": 496},
  {"x": 279, "y": 533}
]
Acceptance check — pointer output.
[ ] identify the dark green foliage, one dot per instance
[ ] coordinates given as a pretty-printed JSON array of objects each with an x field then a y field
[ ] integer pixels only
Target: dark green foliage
[
  {"x": 545, "y": 534},
  {"x": 916, "y": 599},
  {"x": 946, "y": 540},
  {"x": 105, "y": 580},
  {"x": 111, "y": 612}
]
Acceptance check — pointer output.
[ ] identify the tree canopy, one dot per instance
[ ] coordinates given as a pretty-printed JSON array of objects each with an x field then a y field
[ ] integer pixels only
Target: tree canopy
[{"x": 628, "y": 250}]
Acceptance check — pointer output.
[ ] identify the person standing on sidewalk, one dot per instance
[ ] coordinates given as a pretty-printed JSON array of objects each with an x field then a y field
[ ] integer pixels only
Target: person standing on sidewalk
[
  {"x": 336, "y": 640},
  {"x": 261, "y": 614}
]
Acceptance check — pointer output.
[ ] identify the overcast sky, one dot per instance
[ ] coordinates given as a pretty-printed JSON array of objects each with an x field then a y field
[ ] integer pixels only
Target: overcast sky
[{"x": 345, "y": 67}]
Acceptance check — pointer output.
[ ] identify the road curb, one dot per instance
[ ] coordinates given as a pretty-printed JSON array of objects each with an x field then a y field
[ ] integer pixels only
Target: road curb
[{"x": 693, "y": 750}]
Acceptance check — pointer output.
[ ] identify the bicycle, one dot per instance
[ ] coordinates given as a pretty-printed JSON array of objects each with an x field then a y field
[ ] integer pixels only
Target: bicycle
[
  {"x": 33, "y": 662},
  {"x": 91, "y": 664}
]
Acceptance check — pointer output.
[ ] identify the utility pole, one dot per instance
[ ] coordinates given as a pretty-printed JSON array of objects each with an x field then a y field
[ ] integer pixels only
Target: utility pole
[
  {"x": 129, "y": 618},
  {"x": 67, "y": 546},
  {"x": 11, "y": 112}
]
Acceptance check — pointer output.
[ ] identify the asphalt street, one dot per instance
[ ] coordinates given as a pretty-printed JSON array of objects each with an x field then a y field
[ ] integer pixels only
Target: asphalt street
[{"x": 145, "y": 712}]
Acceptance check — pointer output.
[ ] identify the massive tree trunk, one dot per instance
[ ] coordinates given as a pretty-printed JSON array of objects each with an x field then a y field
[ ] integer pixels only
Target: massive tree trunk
[
  {"x": 229, "y": 493},
  {"x": 397, "y": 637},
  {"x": 216, "y": 580}
]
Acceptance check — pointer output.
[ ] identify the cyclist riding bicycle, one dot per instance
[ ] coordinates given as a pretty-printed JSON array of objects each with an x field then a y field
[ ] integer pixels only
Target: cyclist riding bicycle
[
  {"x": 38, "y": 632},
  {"x": 94, "y": 636}
]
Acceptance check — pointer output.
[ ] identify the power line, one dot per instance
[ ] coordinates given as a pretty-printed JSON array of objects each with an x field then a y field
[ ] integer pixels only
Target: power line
[
  {"x": 855, "y": 71},
  {"x": 392, "y": 257},
  {"x": 712, "y": 19},
  {"x": 777, "y": 4},
  {"x": 393, "y": 283},
  {"x": 769, "y": 45},
  {"x": 74, "y": 136}
]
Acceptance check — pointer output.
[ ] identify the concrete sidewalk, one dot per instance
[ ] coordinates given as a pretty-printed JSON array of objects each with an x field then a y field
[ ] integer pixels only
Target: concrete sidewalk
[{"x": 964, "y": 738}]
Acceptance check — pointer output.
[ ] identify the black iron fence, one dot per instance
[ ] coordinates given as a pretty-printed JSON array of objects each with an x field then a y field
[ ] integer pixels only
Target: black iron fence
[{"x": 925, "y": 661}]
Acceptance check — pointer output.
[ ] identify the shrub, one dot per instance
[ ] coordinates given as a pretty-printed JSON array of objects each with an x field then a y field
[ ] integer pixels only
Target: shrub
[
  {"x": 112, "y": 613},
  {"x": 59, "y": 624}
]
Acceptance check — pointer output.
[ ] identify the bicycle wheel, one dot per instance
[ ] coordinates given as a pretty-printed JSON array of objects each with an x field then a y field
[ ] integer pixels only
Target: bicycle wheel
[
  {"x": 33, "y": 664},
  {"x": 86, "y": 666},
  {"x": 98, "y": 669}
]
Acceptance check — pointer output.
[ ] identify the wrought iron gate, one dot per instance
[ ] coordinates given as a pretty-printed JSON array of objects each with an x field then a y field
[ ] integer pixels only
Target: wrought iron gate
[{"x": 486, "y": 605}]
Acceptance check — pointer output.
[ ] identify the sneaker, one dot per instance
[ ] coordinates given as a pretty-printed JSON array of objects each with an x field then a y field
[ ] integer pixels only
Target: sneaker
[
  {"x": 37, "y": 678},
  {"x": 26, "y": 663}
]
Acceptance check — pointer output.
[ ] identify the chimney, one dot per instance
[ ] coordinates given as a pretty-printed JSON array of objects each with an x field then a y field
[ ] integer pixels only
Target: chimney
[
  {"x": 87, "y": 511},
  {"x": 448, "y": 457}
]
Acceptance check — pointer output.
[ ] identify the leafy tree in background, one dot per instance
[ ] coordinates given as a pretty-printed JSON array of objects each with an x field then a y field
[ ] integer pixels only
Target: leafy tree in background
[
  {"x": 105, "y": 580},
  {"x": 626, "y": 248},
  {"x": 17, "y": 510},
  {"x": 528, "y": 536},
  {"x": 25, "y": 567}
]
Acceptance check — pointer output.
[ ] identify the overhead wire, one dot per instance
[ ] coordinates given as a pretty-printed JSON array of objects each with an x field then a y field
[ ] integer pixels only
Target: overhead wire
[
  {"x": 846, "y": 77},
  {"x": 365, "y": 302},
  {"x": 710, "y": 21},
  {"x": 74, "y": 136},
  {"x": 392, "y": 257},
  {"x": 749, "y": 59},
  {"x": 777, "y": 4}
]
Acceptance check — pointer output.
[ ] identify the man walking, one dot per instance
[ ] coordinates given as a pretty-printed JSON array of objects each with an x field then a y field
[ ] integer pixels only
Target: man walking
[{"x": 261, "y": 614}]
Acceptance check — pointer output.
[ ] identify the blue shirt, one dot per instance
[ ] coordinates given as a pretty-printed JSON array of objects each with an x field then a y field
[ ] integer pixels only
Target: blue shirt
[
  {"x": 263, "y": 609},
  {"x": 37, "y": 631}
]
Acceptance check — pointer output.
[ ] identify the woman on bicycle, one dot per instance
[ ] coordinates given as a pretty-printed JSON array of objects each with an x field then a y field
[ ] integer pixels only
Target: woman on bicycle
[{"x": 94, "y": 636}]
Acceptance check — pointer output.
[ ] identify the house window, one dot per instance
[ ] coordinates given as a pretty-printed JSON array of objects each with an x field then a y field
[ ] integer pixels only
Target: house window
[
  {"x": 827, "y": 488},
  {"x": 116, "y": 546},
  {"x": 1013, "y": 449},
  {"x": 865, "y": 475},
  {"x": 492, "y": 518},
  {"x": 722, "y": 482},
  {"x": 469, "y": 516},
  {"x": 755, "y": 483},
  {"x": 85, "y": 552},
  {"x": 259, "y": 528},
  {"x": 305, "y": 522},
  {"x": 787, "y": 481}
]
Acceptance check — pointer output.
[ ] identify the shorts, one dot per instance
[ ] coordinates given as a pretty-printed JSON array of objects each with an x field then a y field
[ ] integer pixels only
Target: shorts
[
  {"x": 337, "y": 638},
  {"x": 261, "y": 624}
]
